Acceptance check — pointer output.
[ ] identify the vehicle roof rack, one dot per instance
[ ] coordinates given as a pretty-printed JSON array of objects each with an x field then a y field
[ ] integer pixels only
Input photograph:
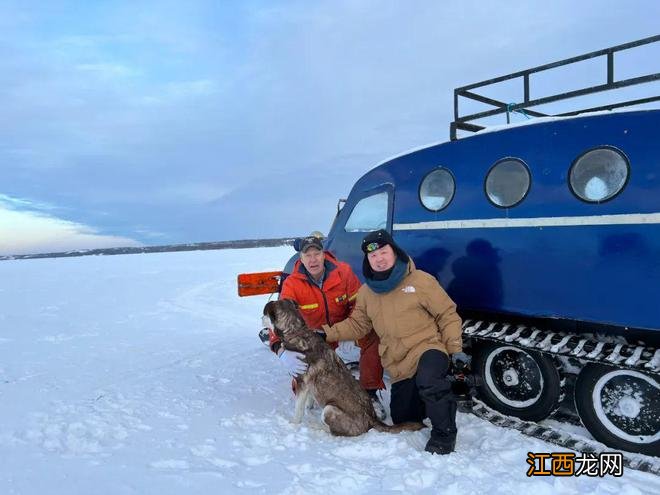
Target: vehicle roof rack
[{"x": 465, "y": 122}]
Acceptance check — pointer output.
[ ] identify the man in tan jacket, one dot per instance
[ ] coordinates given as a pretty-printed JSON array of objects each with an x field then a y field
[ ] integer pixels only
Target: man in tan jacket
[{"x": 418, "y": 328}]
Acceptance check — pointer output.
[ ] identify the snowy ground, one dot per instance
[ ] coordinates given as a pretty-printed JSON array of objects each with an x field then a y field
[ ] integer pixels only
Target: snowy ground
[{"x": 142, "y": 374}]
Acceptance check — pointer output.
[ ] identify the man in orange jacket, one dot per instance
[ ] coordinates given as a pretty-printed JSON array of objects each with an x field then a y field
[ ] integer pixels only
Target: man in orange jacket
[{"x": 325, "y": 290}]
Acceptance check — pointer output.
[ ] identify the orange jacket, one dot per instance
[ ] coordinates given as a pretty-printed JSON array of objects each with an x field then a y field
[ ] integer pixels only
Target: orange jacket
[{"x": 326, "y": 306}]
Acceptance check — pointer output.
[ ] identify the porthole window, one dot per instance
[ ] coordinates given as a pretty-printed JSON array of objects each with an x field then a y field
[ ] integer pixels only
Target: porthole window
[
  {"x": 507, "y": 182},
  {"x": 437, "y": 189},
  {"x": 599, "y": 174}
]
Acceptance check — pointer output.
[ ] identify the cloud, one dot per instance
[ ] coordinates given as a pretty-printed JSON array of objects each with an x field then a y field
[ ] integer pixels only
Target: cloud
[
  {"x": 167, "y": 122},
  {"x": 26, "y": 204},
  {"x": 27, "y": 232},
  {"x": 108, "y": 70}
]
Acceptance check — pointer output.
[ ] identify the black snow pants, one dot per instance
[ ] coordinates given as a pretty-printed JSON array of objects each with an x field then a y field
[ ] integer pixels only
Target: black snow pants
[{"x": 427, "y": 394}]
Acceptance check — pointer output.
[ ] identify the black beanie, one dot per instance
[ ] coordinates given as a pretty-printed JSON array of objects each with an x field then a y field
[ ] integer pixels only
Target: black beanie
[{"x": 376, "y": 240}]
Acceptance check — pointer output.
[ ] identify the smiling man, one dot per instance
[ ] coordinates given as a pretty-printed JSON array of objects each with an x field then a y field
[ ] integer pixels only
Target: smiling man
[
  {"x": 325, "y": 290},
  {"x": 419, "y": 332}
]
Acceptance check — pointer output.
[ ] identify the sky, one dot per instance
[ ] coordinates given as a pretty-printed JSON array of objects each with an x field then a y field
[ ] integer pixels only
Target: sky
[{"x": 161, "y": 122}]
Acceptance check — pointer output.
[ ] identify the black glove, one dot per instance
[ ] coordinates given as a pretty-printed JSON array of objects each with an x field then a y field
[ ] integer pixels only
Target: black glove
[{"x": 460, "y": 361}]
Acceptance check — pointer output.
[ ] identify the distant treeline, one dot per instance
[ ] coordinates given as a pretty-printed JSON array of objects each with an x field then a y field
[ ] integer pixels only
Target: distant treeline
[{"x": 246, "y": 243}]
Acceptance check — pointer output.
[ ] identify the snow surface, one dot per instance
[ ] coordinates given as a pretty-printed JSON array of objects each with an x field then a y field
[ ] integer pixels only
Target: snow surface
[{"x": 142, "y": 374}]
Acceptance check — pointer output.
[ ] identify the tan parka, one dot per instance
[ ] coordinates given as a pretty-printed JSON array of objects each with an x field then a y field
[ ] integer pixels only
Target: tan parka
[{"x": 417, "y": 315}]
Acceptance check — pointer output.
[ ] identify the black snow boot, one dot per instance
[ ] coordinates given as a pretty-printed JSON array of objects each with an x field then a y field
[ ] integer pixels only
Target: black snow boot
[
  {"x": 440, "y": 403},
  {"x": 441, "y": 444}
]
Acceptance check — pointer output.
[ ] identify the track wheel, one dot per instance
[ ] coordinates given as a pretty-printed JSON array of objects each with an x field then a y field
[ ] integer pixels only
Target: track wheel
[
  {"x": 620, "y": 407},
  {"x": 517, "y": 382}
]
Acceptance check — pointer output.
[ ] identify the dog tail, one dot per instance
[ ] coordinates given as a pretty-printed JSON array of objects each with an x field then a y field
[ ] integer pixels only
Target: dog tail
[{"x": 398, "y": 428}]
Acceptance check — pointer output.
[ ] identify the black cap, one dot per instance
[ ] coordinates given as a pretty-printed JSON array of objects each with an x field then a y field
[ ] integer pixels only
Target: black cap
[
  {"x": 309, "y": 242},
  {"x": 376, "y": 240}
]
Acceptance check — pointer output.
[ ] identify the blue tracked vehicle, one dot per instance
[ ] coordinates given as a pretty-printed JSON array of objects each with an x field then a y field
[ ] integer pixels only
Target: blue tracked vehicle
[{"x": 547, "y": 236}]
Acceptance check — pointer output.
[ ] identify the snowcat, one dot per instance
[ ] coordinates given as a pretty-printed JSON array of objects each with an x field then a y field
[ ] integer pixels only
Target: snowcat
[{"x": 547, "y": 236}]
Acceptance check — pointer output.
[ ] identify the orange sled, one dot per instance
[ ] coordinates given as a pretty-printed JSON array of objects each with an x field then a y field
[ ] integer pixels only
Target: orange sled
[{"x": 252, "y": 284}]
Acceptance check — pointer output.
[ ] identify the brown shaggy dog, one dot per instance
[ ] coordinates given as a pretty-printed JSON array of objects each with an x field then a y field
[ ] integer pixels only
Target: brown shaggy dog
[{"x": 347, "y": 409}]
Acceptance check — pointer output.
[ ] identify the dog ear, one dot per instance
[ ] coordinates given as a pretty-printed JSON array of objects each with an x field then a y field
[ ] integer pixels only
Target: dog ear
[{"x": 269, "y": 309}]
